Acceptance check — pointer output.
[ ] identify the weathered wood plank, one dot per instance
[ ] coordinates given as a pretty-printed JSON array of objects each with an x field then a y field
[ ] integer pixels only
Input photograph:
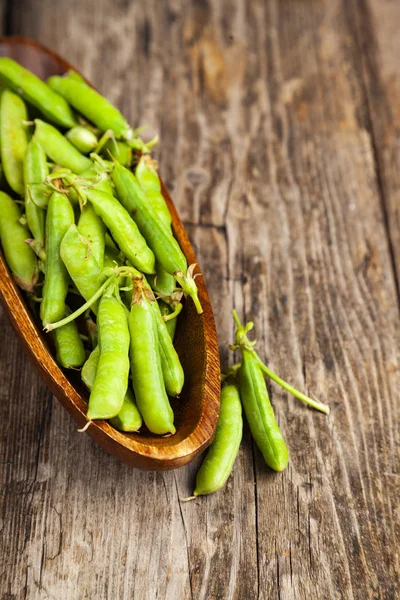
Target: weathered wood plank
[
  {"x": 267, "y": 149},
  {"x": 374, "y": 26}
]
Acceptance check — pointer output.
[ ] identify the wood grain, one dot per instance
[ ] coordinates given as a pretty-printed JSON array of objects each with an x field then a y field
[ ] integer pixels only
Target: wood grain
[{"x": 271, "y": 153}]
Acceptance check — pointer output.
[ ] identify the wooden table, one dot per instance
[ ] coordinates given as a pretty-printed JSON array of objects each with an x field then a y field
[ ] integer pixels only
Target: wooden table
[{"x": 280, "y": 128}]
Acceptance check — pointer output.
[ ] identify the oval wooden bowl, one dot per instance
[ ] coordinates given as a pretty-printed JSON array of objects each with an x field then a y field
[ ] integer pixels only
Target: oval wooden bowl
[{"x": 196, "y": 411}]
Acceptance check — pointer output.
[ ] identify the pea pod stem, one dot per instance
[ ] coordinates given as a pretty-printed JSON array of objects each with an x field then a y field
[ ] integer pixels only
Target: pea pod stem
[
  {"x": 289, "y": 388},
  {"x": 243, "y": 341},
  {"x": 177, "y": 310},
  {"x": 83, "y": 308},
  {"x": 189, "y": 287}
]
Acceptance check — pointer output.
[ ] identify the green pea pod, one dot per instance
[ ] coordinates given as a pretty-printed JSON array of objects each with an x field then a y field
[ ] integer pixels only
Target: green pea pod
[
  {"x": 60, "y": 215},
  {"x": 91, "y": 227},
  {"x": 35, "y": 172},
  {"x": 158, "y": 236},
  {"x": 171, "y": 323},
  {"x": 40, "y": 194},
  {"x": 111, "y": 381},
  {"x": 74, "y": 75},
  {"x": 147, "y": 377},
  {"x": 164, "y": 245},
  {"x": 36, "y": 167},
  {"x": 170, "y": 364},
  {"x": 13, "y": 139},
  {"x": 147, "y": 176},
  {"x": 37, "y": 92},
  {"x": 92, "y": 105},
  {"x": 162, "y": 282},
  {"x": 260, "y": 414},
  {"x": 19, "y": 256},
  {"x": 118, "y": 150},
  {"x": 59, "y": 149},
  {"x": 171, "y": 367},
  {"x": 129, "y": 417},
  {"x": 82, "y": 138},
  {"x": 89, "y": 369},
  {"x": 70, "y": 352},
  {"x": 81, "y": 263},
  {"x": 218, "y": 464},
  {"x": 123, "y": 229}
]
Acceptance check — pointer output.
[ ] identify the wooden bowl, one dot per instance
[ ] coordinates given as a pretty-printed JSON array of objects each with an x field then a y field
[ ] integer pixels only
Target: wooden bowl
[{"x": 196, "y": 411}]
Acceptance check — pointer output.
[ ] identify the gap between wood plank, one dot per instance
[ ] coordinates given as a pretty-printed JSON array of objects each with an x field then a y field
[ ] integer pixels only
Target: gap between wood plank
[{"x": 353, "y": 10}]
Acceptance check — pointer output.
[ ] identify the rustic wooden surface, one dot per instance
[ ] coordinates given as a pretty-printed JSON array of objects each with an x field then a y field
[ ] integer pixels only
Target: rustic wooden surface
[{"x": 280, "y": 128}]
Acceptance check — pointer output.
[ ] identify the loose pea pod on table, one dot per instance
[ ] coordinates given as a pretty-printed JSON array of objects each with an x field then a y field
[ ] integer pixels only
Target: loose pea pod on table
[{"x": 221, "y": 456}]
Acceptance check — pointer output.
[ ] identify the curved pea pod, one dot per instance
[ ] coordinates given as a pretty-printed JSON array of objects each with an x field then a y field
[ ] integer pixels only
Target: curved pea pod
[
  {"x": 111, "y": 381},
  {"x": 82, "y": 138},
  {"x": 92, "y": 228},
  {"x": 147, "y": 176},
  {"x": 218, "y": 464},
  {"x": 158, "y": 236},
  {"x": 89, "y": 369},
  {"x": 81, "y": 264},
  {"x": 260, "y": 414},
  {"x": 165, "y": 247},
  {"x": 59, "y": 149},
  {"x": 91, "y": 104},
  {"x": 129, "y": 417},
  {"x": 35, "y": 172},
  {"x": 147, "y": 376},
  {"x": 13, "y": 139},
  {"x": 172, "y": 370},
  {"x": 70, "y": 352},
  {"x": 123, "y": 229},
  {"x": 118, "y": 150},
  {"x": 171, "y": 323},
  {"x": 36, "y": 92},
  {"x": 162, "y": 282},
  {"x": 59, "y": 217},
  {"x": 19, "y": 256},
  {"x": 40, "y": 194}
]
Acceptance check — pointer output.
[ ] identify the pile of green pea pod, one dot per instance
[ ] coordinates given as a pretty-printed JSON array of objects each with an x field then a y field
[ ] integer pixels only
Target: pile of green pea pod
[{"x": 82, "y": 216}]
